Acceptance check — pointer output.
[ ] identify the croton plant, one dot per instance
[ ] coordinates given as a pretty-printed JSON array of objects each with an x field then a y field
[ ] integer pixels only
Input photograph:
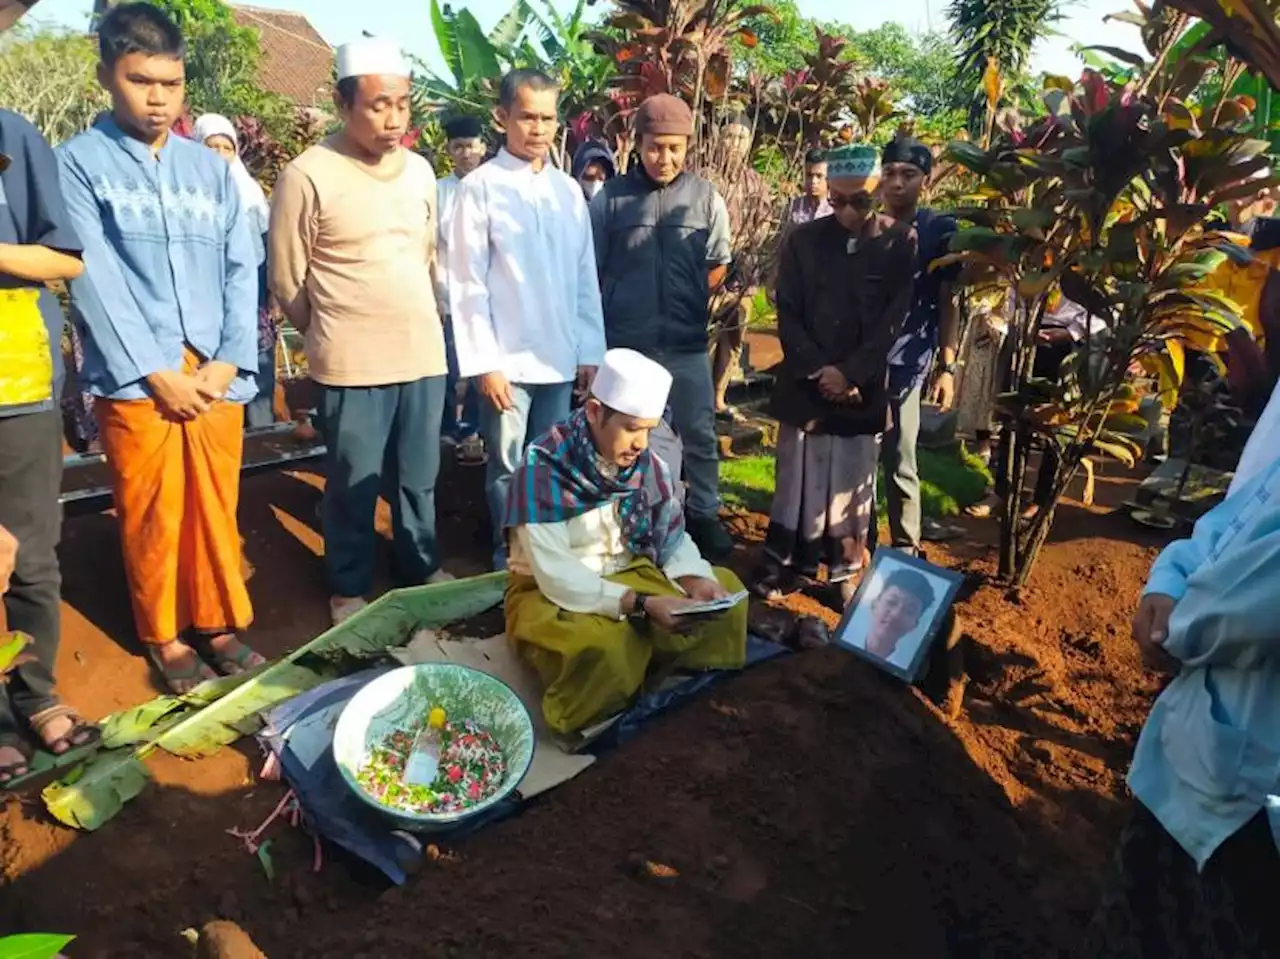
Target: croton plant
[{"x": 1110, "y": 199}]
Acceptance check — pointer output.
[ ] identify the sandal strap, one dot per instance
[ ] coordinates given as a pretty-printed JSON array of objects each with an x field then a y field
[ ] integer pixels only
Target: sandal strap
[{"x": 40, "y": 720}]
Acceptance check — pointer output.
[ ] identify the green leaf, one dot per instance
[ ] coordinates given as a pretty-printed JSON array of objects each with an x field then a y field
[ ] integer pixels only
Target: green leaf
[
  {"x": 131, "y": 726},
  {"x": 446, "y": 36},
  {"x": 96, "y": 790},
  {"x": 9, "y": 650},
  {"x": 264, "y": 857},
  {"x": 1126, "y": 423},
  {"x": 476, "y": 56},
  {"x": 506, "y": 33},
  {"x": 1033, "y": 219},
  {"x": 1115, "y": 451},
  {"x": 39, "y": 945},
  {"x": 1125, "y": 16},
  {"x": 1124, "y": 56}
]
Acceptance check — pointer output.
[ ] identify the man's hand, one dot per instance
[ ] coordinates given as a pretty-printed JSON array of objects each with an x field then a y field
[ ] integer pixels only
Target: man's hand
[
  {"x": 496, "y": 388},
  {"x": 8, "y": 558},
  {"x": 944, "y": 391},
  {"x": 214, "y": 379},
  {"x": 586, "y": 374},
  {"x": 660, "y": 610},
  {"x": 177, "y": 394},
  {"x": 702, "y": 589},
  {"x": 831, "y": 382},
  {"x": 1151, "y": 622}
]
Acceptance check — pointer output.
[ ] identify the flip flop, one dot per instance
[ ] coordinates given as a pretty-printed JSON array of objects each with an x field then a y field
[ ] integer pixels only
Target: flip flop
[
  {"x": 80, "y": 734},
  {"x": 182, "y": 681}
]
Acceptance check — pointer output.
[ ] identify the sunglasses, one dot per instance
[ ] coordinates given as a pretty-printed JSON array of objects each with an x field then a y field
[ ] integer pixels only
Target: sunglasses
[{"x": 861, "y": 202}]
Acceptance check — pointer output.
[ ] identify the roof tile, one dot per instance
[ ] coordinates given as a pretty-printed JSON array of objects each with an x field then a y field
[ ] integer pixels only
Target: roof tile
[{"x": 296, "y": 61}]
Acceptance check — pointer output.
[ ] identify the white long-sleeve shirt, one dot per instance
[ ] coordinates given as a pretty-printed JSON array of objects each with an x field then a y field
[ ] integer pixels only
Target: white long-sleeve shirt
[
  {"x": 569, "y": 560},
  {"x": 521, "y": 269},
  {"x": 446, "y": 194}
]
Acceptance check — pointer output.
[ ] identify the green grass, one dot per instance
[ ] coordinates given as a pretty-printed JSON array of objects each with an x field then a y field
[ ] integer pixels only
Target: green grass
[{"x": 948, "y": 482}]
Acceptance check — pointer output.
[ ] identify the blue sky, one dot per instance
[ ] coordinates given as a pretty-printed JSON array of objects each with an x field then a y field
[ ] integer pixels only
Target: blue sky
[{"x": 409, "y": 22}]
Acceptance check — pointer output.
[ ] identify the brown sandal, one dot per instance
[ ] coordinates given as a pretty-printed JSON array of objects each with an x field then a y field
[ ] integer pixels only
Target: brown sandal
[{"x": 80, "y": 734}]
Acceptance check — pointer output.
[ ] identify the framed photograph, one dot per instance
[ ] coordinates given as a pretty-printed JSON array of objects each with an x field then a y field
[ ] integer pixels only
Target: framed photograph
[{"x": 897, "y": 612}]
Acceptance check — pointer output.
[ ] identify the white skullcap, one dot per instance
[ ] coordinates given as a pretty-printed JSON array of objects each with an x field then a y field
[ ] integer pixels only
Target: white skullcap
[
  {"x": 371, "y": 57},
  {"x": 632, "y": 384}
]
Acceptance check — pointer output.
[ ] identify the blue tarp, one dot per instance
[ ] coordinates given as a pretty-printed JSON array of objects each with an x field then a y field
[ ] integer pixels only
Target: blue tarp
[{"x": 300, "y": 733}]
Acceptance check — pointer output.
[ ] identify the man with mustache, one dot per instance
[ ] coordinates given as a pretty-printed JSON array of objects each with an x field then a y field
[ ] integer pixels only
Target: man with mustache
[
  {"x": 523, "y": 291},
  {"x": 353, "y": 238},
  {"x": 662, "y": 245}
]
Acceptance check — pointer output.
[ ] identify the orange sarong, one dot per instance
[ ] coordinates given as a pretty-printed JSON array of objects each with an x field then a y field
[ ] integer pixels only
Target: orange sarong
[{"x": 176, "y": 488}]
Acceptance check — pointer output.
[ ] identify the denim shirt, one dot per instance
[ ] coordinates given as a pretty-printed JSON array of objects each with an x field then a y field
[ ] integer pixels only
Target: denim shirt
[
  {"x": 169, "y": 260},
  {"x": 1208, "y": 759}
]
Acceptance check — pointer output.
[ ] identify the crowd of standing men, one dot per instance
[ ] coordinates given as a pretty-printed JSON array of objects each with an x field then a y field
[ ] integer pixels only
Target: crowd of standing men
[{"x": 169, "y": 258}]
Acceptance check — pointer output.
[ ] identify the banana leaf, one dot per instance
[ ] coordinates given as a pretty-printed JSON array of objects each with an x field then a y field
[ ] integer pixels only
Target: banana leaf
[
  {"x": 221, "y": 711},
  {"x": 95, "y": 791},
  {"x": 37, "y": 945}
]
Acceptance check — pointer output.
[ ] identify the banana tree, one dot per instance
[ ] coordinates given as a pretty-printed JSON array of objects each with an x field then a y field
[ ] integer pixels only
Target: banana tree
[
  {"x": 1108, "y": 201},
  {"x": 475, "y": 62}
]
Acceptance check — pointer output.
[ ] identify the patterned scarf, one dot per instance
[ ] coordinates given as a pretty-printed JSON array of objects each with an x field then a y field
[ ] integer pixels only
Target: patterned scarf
[{"x": 562, "y": 476}]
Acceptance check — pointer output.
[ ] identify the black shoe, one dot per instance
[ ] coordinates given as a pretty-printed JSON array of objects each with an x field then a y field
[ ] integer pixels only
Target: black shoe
[{"x": 712, "y": 540}]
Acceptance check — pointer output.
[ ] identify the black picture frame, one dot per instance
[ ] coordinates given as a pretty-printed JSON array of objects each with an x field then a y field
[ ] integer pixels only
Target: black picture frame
[{"x": 882, "y": 562}]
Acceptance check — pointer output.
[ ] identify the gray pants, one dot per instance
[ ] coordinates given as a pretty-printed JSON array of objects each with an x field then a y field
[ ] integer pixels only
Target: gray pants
[
  {"x": 901, "y": 474},
  {"x": 537, "y": 407},
  {"x": 693, "y": 410},
  {"x": 381, "y": 439}
]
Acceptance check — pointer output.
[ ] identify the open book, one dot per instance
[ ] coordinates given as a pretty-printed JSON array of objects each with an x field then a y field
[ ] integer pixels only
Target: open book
[{"x": 712, "y": 606}]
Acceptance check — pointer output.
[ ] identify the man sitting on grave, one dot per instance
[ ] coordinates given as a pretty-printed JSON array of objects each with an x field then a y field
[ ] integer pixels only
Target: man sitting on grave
[{"x": 600, "y": 562}]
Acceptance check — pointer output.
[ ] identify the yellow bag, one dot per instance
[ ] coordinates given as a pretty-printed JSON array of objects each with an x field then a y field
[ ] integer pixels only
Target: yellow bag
[{"x": 26, "y": 356}]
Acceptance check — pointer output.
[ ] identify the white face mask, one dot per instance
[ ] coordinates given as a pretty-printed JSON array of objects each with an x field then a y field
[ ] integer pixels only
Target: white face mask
[{"x": 592, "y": 187}]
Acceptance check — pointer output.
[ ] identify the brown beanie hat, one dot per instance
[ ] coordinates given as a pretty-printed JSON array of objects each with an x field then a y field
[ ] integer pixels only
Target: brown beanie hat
[{"x": 664, "y": 115}]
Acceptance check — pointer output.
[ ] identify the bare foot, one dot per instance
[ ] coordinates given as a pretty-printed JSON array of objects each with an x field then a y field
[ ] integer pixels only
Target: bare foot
[
  {"x": 13, "y": 764},
  {"x": 178, "y": 663},
  {"x": 232, "y": 656}
]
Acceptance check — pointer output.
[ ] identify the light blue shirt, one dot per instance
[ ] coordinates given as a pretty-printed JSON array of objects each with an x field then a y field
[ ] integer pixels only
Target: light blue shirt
[
  {"x": 169, "y": 260},
  {"x": 1209, "y": 755}
]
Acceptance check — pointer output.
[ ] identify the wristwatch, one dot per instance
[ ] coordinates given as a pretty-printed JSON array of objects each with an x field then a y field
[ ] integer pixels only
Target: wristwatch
[
  {"x": 638, "y": 611},
  {"x": 949, "y": 368}
]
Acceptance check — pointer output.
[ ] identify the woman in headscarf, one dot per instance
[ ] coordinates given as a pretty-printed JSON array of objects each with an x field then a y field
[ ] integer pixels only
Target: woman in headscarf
[{"x": 219, "y": 134}]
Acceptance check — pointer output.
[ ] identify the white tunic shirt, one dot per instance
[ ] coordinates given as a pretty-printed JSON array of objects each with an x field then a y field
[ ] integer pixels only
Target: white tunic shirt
[
  {"x": 569, "y": 560},
  {"x": 446, "y": 194},
  {"x": 521, "y": 271}
]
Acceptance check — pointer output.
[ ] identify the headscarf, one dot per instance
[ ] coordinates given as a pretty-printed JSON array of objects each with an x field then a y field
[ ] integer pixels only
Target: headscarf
[
  {"x": 563, "y": 476},
  {"x": 252, "y": 199},
  {"x": 593, "y": 151}
]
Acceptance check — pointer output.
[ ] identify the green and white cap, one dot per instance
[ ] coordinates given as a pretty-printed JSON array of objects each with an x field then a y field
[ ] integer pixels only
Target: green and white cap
[{"x": 858, "y": 162}]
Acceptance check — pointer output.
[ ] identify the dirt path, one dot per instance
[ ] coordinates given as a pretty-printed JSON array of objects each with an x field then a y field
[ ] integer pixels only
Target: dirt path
[{"x": 811, "y": 807}]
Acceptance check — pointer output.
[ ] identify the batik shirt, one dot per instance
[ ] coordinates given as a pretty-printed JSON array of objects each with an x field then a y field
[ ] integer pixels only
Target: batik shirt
[
  {"x": 169, "y": 261},
  {"x": 912, "y": 354}
]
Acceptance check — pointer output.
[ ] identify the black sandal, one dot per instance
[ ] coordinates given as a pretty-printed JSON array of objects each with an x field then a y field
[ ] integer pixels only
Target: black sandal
[{"x": 80, "y": 734}]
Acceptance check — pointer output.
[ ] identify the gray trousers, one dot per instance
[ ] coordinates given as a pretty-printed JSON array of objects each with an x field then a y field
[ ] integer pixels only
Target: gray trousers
[
  {"x": 901, "y": 473},
  {"x": 693, "y": 410},
  {"x": 381, "y": 439}
]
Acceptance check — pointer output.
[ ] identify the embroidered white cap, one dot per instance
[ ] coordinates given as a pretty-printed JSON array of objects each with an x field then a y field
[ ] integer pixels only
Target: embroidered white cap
[
  {"x": 371, "y": 57},
  {"x": 632, "y": 384}
]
